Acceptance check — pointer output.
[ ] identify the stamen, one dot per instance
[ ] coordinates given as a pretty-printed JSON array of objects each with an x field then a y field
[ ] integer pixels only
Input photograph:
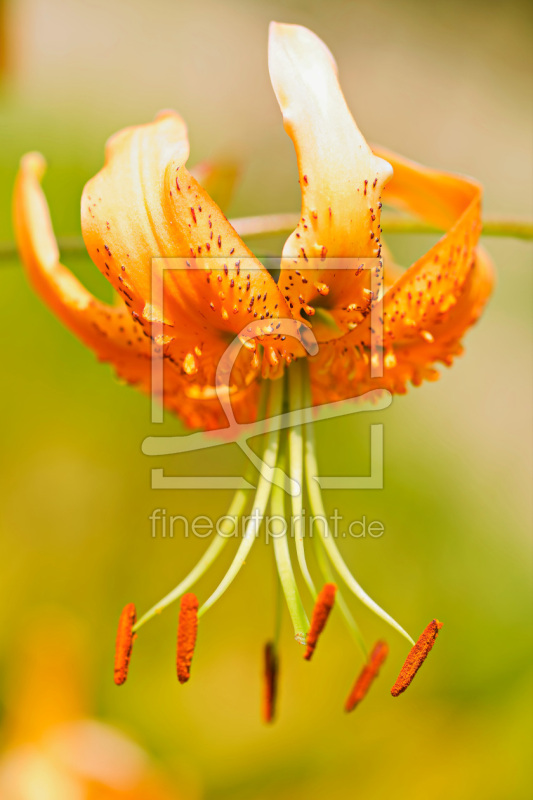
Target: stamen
[
  {"x": 260, "y": 502},
  {"x": 270, "y": 681},
  {"x": 321, "y": 611},
  {"x": 235, "y": 510},
  {"x": 367, "y": 675},
  {"x": 124, "y": 643},
  {"x": 416, "y": 657},
  {"x": 317, "y": 507},
  {"x": 187, "y": 630}
]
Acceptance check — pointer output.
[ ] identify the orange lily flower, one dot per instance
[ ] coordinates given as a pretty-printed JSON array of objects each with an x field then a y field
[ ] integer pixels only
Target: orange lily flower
[{"x": 145, "y": 209}]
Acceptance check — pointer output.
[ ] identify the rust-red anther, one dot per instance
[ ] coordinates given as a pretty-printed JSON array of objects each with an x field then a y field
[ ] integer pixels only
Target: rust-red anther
[
  {"x": 417, "y": 656},
  {"x": 321, "y": 611},
  {"x": 270, "y": 690},
  {"x": 367, "y": 675},
  {"x": 124, "y": 643},
  {"x": 187, "y": 630}
]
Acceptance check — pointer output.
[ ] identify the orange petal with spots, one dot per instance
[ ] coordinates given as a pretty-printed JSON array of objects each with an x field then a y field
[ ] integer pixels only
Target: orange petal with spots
[
  {"x": 205, "y": 285},
  {"x": 109, "y": 330},
  {"x": 424, "y": 295},
  {"x": 341, "y": 181},
  {"x": 342, "y": 371},
  {"x": 429, "y": 308},
  {"x": 200, "y": 408}
]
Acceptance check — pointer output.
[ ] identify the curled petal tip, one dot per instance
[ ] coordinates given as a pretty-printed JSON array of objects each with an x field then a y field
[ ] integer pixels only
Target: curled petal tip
[
  {"x": 299, "y": 37},
  {"x": 340, "y": 179},
  {"x": 165, "y": 113},
  {"x": 34, "y": 162}
]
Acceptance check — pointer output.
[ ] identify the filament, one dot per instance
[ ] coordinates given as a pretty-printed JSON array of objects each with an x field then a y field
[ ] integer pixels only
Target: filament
[
  {"x": 237, "y": 506},
  {"x": 317, "y": 507},
  {"x": 259, "y": 504}
]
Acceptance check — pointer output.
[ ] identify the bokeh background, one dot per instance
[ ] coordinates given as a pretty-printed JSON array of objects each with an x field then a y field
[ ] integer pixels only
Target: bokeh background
[{"x": 447, "y": 84}]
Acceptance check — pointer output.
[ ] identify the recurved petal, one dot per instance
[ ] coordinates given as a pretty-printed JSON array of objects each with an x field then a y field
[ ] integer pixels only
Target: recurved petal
[
  {"x": 108, "y": 330},
  {"x": 169, "y": 250},
  {"x": 342, "y": 370},
  {"x": 431, "y": 305},
  {"x": 341, "y": 180},
  {"x": 414, "y": 360},
  {"x": 124, "y": 221},
  {"x": 424, "y": 295}
]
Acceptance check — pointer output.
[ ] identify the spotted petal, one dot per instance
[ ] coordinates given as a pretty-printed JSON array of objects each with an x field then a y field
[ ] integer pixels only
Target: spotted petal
[
  {"x": 340, "y": 178},
  {"x": 427, "y": 311},
  {"x": 149, "y": 225},
  {"x": 109, "y": 330}
]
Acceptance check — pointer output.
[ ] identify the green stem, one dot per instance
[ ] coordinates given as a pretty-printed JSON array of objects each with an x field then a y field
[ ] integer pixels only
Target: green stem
[
  {"x": 278, "y": 224},
  {"x": 501, "y": 228},
  {"x": 260, "y": 502},
  {"x": 317, "y": 507},
  {"x": 283, "y": 561},
  {"x": 296, "y": 472}
]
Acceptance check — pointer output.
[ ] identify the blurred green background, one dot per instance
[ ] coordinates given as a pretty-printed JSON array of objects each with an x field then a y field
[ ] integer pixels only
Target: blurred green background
[{"x": 447, "y": 84}]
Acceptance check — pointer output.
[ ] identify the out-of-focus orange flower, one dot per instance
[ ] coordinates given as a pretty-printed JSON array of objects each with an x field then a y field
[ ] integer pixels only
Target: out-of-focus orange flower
[{"x": 53, "y": 749}]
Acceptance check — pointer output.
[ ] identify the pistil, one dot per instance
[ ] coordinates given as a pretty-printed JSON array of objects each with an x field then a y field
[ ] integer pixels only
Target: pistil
[
  {"x": 296, "y": 472},
  {"x": 284, "y": 564}
]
